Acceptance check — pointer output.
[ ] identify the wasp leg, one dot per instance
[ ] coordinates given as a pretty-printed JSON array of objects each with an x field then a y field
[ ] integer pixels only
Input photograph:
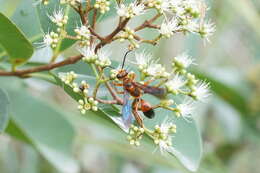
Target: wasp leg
[
  {"x": 135, "y": 107},
  {"x": 117, "y": 84},
  {"x": 148, "y": 82},
  {"x": 120, "y": 92}
]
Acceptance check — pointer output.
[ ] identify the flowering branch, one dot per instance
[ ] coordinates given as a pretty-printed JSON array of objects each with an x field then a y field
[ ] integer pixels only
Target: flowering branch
[{"x": 184, "y": 16}]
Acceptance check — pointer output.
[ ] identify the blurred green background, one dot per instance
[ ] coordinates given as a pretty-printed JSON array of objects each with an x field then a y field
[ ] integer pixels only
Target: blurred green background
[{"x": 229, "y": 122}]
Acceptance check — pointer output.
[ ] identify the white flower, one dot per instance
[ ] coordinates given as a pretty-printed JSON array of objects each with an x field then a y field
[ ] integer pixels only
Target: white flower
[
  {"x": 143, "y": 59},
  {"x": 122, "y": 10},
  {"x": 185, "y": 109},
  {"x": 157, "y": 71},
  {"x": 47, "y": 39},
  {"x": 175, "y": 84},
  {"x": 182, "y": 61},
  {"x": 177, "y": 7},
  {"x": 162, "y": 135},
  {"x": 201, "y": 91},
  {"x": 160, "y": 5},
  {"x": 133, "y": 9},
  {"x": 87, "y": 104},
  {"x": 68, "y": 77},
  {"x": 191, "y": 26},
  {"x": 88, "y": 53},
  {"x": 165, "y": 5},
  {"x": 83, "y": 31},
  {"x": 137, "y": 9},
  {"x": 102, "y": 5},
  {"x": 51, "y": 39},
  {"x": 59, "y": 18},
  {"x": 83, "y": 34},
  {"x": 192, "y": 7},
  {"x": 207, "y": 30},
  {"x": 103, "y": 58},
  {"x": 168, "y": 27}
]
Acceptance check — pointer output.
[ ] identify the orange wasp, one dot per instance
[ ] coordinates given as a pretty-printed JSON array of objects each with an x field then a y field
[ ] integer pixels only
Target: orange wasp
[{"x": 136, "y": 90}]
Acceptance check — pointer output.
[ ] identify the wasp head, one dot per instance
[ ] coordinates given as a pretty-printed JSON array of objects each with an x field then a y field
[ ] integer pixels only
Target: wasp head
[{"x": 121, "y": 74}]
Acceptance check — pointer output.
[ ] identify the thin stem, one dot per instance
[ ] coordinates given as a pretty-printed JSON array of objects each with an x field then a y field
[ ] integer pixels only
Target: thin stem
[
  {"x": 95, "y": 71},
  {"x": 96, "y": 89}
]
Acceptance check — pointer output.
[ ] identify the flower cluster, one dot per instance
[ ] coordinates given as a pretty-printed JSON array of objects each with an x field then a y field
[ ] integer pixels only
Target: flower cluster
[
  {"x": 133, "y": 9},
  {"x": 177, "y": 16},
  {"x": 148, "y": 67},
  {"x": 135, "y": 135},
  {"x": 160, "y": 5},
  {"x": 59, "y": 18},
  {"x": 168, "y": 28},
  {"x": 82, "y": 88},
  {"x": 51, "y": 39},
  {"x": 102, "y": 5},
  {"x": 83, "y": 34},
  {"x": 68, "y": 78},
  {"x": 101, "y": 58},
  {"x": 177, "y": 82},
  {"x": 162, "y": 135},
  {"x": 87, "y": 104},
  {"x": 128, "y": 34}
]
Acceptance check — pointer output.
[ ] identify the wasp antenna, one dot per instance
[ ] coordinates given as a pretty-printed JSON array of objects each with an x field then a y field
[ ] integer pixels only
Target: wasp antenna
[{"x": 125, "y": 58}]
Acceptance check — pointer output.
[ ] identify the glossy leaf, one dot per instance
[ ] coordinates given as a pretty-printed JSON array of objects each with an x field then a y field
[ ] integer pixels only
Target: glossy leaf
[
  {"x": 4, "y": 110},
  {"x": 234, "y": 98},
  {"x": 14, "y": 42},
  {"x": 36, "y": 122}
]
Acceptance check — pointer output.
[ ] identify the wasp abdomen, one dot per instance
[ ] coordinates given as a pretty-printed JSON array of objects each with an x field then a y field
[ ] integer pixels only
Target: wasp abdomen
[
  {"x": 149, "y": 114},
  {"x": 147, "y": 109}
]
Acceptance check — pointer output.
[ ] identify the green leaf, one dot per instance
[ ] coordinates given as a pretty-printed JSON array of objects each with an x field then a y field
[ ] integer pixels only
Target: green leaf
[
  {"x": 234, "y": 98},
  {"x": 187, "y": 141},
  {"x": 14, "y": 42},
  {"x": 43, "y": 126},
  {"x": 4, "y": 110}
]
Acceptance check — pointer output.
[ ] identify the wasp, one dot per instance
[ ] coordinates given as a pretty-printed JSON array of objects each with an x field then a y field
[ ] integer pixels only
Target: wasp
[{"x": 136, "y": 90}]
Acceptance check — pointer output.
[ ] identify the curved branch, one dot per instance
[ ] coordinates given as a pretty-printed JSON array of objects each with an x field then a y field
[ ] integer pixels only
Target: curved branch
[{"x": 21, "y": 73}]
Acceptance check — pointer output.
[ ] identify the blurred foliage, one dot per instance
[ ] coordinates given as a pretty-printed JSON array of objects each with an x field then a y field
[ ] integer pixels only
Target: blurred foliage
[{"x": 229, "y": 122}]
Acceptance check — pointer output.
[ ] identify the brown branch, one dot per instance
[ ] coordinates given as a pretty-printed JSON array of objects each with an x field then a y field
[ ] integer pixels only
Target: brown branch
[
  {"x": 94, "y": 20},
  {"x": 109, "y": 38},
  {"x": 22, "y": 73},
  {"x": 113, "y": 93},
  {"x": 148, "y": 23},
  {"x": 153, "y": 42},
  {"x": 93, "y": 26},
  {"x": 93, "y": 32},
  {"x": 82, "y": 15}
]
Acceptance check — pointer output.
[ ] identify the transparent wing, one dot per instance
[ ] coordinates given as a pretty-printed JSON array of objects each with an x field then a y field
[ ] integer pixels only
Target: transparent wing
[{"x": 127, "y": 110}]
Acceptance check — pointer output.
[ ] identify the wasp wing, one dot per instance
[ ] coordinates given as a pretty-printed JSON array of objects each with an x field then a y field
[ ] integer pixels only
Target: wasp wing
[
  {"x": 155, "y": 91},
  {"x": 127, "y": 110}
]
